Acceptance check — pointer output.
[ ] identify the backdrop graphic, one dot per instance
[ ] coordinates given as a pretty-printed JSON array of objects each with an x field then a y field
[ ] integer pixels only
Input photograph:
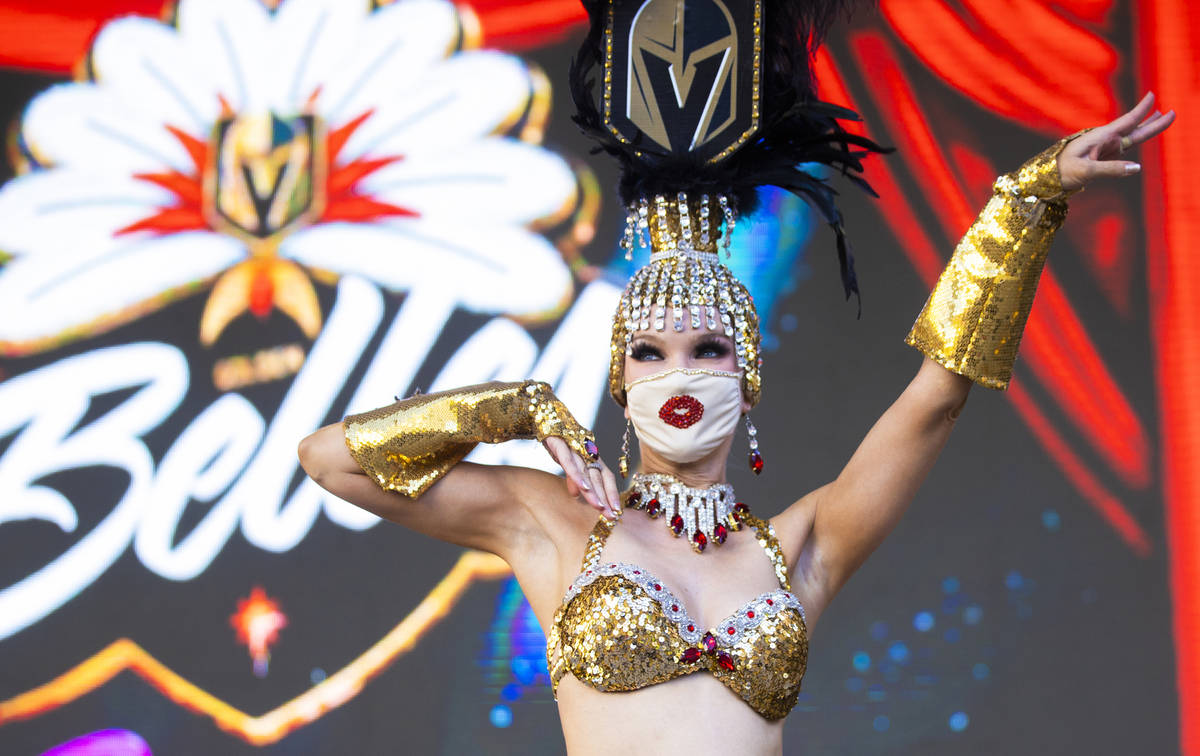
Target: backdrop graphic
[{"x": 227, "y": 222}]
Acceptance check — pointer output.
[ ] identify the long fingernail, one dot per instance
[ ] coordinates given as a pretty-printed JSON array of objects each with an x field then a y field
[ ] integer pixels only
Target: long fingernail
[
  {"x": 1132, "y": 167},
  {"x": 584, "y": 484}
]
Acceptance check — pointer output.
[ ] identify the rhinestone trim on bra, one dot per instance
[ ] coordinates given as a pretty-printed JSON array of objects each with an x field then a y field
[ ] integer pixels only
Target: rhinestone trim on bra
[{"x": 727, "y": 632}]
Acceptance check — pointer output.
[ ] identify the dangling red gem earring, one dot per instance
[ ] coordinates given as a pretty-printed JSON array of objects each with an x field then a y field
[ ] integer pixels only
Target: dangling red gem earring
[{"x": 756, "y": 463}]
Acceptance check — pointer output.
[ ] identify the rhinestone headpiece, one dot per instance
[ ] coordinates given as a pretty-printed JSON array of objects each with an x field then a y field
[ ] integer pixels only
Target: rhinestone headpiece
[{"x": 686, "y": 277}]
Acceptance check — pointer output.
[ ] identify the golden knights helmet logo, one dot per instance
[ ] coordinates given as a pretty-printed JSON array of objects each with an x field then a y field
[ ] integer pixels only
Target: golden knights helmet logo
[
  {"x": 683, "y": 74},
  {"x": 266, "y": 173}
]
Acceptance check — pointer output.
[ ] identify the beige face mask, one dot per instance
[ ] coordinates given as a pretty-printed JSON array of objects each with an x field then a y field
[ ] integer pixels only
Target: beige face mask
[{"x": 684, "y": 414}]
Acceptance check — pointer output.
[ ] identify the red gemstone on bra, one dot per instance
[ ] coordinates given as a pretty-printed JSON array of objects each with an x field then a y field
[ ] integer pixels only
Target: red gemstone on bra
[
  {"x": 690, "y": 655},
  {"x": 674, "y": 607},
  {"x": 677, "y": 524},
  {"x": 653, "y": 507},
  {"x": 750, "y": 614},
  {"x": 700, "y": 540},
  {"x": 726, "y": 661},
  {"x": 720, "y": 533},
  {"x": 709, "y": 642},
  {"x": 770, "y": 602},
  {"x": 731, "y": 630},
  {"x": 634, "y": 499},
  {"x": 691, "y": 628},
  {"x": 657, "y": 587},
  {"x": 637, "y": 572},
  {"x": 741, "y": 508}
]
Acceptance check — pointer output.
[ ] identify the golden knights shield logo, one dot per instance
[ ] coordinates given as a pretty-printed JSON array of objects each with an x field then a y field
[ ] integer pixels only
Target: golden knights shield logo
[{"x": 682, "y": 77}]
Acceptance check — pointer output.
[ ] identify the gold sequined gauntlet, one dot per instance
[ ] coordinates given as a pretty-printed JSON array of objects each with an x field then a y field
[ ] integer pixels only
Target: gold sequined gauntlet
[
  {"x": 407, "y": 446},
  {"x": 973, "y": 320}
]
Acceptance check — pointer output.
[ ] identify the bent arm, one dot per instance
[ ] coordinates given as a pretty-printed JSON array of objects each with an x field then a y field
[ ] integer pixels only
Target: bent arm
[
  {"x": 484, "y": 507},
  {"x": 969, "y": 330},
  {"x": 403, "y": 462}
]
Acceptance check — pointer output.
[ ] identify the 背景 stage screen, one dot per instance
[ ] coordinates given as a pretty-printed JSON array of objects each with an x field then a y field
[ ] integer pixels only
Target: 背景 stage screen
[{"x": 225, "y": 223}]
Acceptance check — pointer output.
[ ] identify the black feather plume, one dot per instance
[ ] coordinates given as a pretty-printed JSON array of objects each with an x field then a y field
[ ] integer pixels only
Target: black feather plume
[{"x": 795, "y": 127}]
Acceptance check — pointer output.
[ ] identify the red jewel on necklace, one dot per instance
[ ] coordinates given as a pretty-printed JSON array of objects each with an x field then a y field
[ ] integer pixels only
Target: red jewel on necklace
[{"x": 705, "y": 514}]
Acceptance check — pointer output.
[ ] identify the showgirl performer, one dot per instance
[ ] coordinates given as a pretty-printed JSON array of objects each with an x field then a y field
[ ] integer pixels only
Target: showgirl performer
[{"x": 702, "y": 669}]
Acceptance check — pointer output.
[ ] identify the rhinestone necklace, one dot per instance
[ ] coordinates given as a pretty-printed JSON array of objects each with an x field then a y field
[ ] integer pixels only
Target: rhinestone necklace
[{"x": 705, "y": 514}]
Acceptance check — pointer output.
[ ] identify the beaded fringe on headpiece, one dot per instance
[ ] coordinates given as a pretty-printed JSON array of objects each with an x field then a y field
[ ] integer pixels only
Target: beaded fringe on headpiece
[{"x": 685, "y": 283}]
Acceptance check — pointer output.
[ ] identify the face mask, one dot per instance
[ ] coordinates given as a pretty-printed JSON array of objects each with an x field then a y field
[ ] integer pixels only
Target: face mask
[{"x": 684, "y": 414}]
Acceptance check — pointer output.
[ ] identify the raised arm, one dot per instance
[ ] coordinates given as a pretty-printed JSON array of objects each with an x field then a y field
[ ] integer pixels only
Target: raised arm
[{"x": 969, "y": 331}]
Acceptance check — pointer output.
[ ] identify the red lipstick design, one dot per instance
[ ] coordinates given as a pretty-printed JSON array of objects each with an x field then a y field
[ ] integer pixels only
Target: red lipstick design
[{"x": 681, "y": 411}]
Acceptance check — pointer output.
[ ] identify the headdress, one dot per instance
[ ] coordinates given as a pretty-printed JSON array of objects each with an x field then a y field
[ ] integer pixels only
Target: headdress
[{"x": 701, "y": 102}]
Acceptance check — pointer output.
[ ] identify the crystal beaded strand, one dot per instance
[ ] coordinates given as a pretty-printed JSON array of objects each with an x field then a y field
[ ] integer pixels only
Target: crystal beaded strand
[
  {"x": 627, "y": 240},
  {"x": 730, "y": 222}
]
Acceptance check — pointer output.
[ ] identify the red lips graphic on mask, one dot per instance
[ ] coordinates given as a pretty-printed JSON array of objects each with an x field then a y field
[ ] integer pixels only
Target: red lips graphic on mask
[{"x": 681, "y": 411}]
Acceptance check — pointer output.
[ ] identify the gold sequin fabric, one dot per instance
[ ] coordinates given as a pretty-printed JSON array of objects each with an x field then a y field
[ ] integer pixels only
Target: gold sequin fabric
[
  {"x": 973, "y": 320},
  {"x": 410, "y": 444},
  {"x": 620, "y": 629}
]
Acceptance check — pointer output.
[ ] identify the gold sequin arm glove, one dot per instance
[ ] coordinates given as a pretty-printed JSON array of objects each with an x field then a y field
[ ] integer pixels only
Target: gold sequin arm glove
[
  {"x": 973, "y": 320},
  {"x": 409, "y": 445}
]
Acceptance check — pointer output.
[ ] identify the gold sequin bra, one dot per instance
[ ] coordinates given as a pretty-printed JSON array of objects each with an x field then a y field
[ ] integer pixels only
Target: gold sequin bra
[{"x": 620, "y": 629}]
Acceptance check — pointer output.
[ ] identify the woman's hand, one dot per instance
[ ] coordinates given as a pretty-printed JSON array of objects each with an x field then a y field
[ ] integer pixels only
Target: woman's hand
[
  {"x": 594, "y": 481},
  {"x": 1099, "y": 151}
]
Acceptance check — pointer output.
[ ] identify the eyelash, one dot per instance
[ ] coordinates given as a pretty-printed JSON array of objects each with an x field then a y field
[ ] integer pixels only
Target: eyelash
[
  {"x": 718, "y": 348},
  {"x": 643, "y": 351}
]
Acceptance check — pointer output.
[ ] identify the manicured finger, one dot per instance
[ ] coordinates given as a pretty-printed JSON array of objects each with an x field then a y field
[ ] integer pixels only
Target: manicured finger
[
  {"x": 610, "y": 486},
  {"x": 578, "y": 484},
  {"x": 589, "y": 491},
  {"x": 596, "y": 475},
  {"x": 1152, "y": 127},
  {"x": 1130, "y": 120},
  {"x": 1113, "y": 169},
  {"x": 556, "y": 448},
  {"x": 597, "y": 481}
]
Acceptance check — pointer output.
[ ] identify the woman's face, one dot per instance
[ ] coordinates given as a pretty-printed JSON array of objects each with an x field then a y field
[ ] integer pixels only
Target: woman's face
[{"x": 658, "y": 351}]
